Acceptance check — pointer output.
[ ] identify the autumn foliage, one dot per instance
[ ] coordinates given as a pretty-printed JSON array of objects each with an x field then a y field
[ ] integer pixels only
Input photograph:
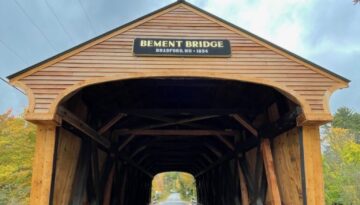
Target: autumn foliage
[
  {"x": 17, "y": 141},
  {"x": 341, "y": 162},
  {"x": 165, "y": 183}
]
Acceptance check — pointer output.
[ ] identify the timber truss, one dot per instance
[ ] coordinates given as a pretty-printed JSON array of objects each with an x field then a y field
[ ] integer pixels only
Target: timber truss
[{"x": 206, "y": 142}]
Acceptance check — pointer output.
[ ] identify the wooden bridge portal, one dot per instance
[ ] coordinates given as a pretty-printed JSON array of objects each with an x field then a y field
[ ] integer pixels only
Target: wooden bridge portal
[{"x": 239, "y": 113}]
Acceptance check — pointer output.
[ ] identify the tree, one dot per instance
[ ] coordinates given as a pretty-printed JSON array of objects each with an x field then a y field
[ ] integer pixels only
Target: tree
[
  {"x": 17, "y": 141},
  {"x": 180, "y": 182},
  {"x": 341, "y": 158}
]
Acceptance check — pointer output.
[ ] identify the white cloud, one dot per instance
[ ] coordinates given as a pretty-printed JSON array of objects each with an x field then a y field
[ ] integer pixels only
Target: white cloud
[
  {"x": 326, "y": 33},
  {"x": 275, "y": 20}
]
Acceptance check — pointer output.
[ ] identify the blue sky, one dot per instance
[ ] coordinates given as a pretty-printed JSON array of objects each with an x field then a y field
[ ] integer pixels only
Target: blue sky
[{"x": 325, "y": 32}]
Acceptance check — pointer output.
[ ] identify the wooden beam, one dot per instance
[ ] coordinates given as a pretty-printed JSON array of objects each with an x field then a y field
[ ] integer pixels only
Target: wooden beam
[
  {"x": 177, "y": 132},
  {"x": 43, "y": 165},
  {"x": 226, "y": 142},
  {"x": 111, "y": 123},
  {"x": 95, "y": 175},
  {"x": 123, "y": 186},
  {"x": 311, "y": 161},
  {"x": 245, "y": 124},
  {"x": 213, "y": 149},
  {"x": 243, "y": 188},
  {"x": 137, "y": 151},
  {"x": 82, "y": 172},
  {"x": 134, "y": 164},
  {"x": 270, "y": 172},
  {"x": 224, "y": 158},
  {"x": 178, "y": 122},
  {"x": 108, "y": 186},
  {"x": 284, "y": 123},
  {"x": 167, "y": 119},
  {"x": 126, "y": 142},
  {"x": 74, "y": 121},
  {"x": 247, "y": 175},
  {"x": 193, "y": 111},
  {"x": 207, "y": 157}
]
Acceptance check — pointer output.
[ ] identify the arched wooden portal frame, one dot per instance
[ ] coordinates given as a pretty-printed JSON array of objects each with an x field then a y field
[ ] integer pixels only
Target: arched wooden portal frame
[
  {"x": 246, "y": 125},
  {"x": 239, "y": 139}
]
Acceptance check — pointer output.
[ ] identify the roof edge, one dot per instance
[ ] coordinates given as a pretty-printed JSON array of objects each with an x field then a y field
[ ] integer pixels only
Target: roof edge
[
  {"x": 93, "y": 39},
  {"x": 196, "y": 8}
]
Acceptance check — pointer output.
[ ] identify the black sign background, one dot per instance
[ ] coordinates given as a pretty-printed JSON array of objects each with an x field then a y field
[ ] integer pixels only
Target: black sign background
[{"x": 224, "y": 51}]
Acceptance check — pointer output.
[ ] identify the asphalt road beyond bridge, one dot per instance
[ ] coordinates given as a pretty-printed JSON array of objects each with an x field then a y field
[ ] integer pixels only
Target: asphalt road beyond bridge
[{"x": 174, "y": 199}]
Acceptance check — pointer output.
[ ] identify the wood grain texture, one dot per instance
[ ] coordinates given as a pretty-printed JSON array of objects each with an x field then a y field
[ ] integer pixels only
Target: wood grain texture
[
  {"x": 113, "y": 57},
  {"x": 66, "y": 163},
  {"x": 313, "y": 169},
  {"x": 286, "y": 152},
  {"x": 43, "y": 165},
  {"x": 243, "y": 188},
  {"x": 272, "y": 181}
]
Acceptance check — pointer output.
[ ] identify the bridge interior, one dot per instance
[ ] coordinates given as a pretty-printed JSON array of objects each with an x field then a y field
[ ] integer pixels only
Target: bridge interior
[{"x": 131, "y": 130}]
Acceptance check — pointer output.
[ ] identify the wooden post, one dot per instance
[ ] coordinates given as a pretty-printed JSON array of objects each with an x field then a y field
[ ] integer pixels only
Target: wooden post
[
  {"x": 312, "y": 172},
  {"x": 270, "y": 172},
  {"x": 244, "y": 192},
  {"x": 43, "y": 165}
]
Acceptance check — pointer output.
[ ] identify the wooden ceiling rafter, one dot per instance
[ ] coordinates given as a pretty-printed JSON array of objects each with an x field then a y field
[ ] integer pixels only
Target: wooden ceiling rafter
[
  {"x": 245, "y": 124},
  {"x": 111, "y": 123},
  {"x": 83, "y": 127},
  {"x": 180, "y": 132},
  {"x": 178, "y": 122}
]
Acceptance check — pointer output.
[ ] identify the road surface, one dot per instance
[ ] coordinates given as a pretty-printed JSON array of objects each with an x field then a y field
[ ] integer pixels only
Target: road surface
[{"x": 174, "y": 199}]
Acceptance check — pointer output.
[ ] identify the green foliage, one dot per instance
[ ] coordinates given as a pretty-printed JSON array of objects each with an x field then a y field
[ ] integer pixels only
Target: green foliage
[
  {"x": 342, "y": 159},
  {"x": 168, "y": 182},
  {"x": 17, "y": 139}
]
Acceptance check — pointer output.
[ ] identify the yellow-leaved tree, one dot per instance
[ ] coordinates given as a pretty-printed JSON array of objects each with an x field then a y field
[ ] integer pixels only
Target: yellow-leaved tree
[
  {"x": 17, "y": 141},
  {"x": 341, "y": 156}
]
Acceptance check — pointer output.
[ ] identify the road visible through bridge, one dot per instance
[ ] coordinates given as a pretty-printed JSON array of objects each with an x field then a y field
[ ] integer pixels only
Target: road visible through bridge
[{"x": 174, "y": 199}]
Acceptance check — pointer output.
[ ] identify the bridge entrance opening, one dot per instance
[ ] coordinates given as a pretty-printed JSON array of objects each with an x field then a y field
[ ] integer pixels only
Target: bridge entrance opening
[
  {"x": 173, "y": 188},
  {"x": 219, "y": 131}
]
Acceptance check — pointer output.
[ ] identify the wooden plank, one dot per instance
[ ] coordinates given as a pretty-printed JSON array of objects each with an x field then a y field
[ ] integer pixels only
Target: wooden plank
[
  {"x": 313, "y": 170},
  {"x": 71, "y": 118},
  {"x": 194, "y": 111},
  {"x": 213, "y": 149},
  {"x": 108, "y": 186},
  {"x": 111, "y": 123},
  {"x": 226, "y": 142},
  {"x": 176, "y": 132},
  {"x": 94, "y": 186},
  {"x": 178, "y": 122},
  {"x": 246, "y": 124},
  {"x": 43, "y": 165},
  {"x": 223, "y": 159},
  {"x": 135, "y": 165},
  {"x": 243, "y": 188},
  {"x": 286, "y": 152},
  {"x": 126, "y": 142},
  {"x": 66, "y": 164},
  {"x": 82, "y": 172},
  {"x": 270, "y": 172}
]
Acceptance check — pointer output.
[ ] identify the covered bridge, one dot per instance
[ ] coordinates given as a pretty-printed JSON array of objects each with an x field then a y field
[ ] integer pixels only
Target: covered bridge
[{"x": 178, "y": 90}]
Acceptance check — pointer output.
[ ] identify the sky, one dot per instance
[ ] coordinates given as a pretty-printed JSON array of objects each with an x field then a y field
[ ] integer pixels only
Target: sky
[{"x": 324, "y": 32}]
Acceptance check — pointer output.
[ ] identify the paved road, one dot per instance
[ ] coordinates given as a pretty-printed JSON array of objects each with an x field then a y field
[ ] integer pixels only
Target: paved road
[{"x": 174, "y": 199}]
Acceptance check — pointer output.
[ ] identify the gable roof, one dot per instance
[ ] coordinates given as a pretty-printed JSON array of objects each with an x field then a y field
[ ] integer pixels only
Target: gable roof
[{"x": 305, "y": 61}]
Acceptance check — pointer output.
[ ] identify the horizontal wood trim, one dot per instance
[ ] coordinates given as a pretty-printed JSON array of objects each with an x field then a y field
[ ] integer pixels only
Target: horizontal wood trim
[{"x": 113, "y": 56}]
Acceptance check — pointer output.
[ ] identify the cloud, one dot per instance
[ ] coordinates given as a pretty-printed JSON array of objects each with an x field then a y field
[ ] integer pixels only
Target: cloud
[
  {"x": 324, "y": 32},
  {"x": 332, "y": 22}
]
